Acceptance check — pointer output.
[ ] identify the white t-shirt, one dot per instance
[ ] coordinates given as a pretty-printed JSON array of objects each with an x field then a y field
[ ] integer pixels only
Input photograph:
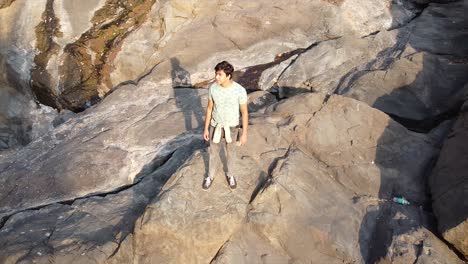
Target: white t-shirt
[{"x": 226, "y": 103}]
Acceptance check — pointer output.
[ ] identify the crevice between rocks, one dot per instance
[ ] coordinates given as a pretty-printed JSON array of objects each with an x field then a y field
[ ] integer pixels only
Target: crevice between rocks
[
  {"x": 134, "y": 82},
  {"x": 263, "y": 184},
  {"x": 219, "y": 251},
  {"x": 250, "y": 76}
]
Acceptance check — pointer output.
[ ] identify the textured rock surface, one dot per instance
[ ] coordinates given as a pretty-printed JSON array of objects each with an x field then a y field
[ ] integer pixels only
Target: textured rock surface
[
  {"x": 22, "y": 120},
  {"x": 323, "y": 66},
  {"x": 89, "y": 230},
  {"x": 299, "y": 181},
  {"x": 260, "y": 99},
  {"x": 78, "y": 59},
  {"x": 120, "y": 182},
  {"x": 422, "y": 77},
  {"x": 449, "y": 186},
  {"x": 78, "y": 158}
]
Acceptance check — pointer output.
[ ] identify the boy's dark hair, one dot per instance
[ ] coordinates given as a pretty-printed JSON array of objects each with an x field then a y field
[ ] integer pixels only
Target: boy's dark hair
[{"x": 226, "y": 67}]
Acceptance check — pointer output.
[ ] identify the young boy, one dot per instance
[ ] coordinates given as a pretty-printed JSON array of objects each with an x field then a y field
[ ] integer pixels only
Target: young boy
[{"x": 225, "y": 99}]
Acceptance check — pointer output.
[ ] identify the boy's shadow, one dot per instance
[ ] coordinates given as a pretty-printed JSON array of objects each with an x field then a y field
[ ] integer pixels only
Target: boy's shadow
[{"x": 188, "y": 101}]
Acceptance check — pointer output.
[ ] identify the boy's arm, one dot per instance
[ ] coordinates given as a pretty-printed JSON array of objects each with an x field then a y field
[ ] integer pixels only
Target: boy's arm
[
  {"x": 245, "y": 123},
  {"x": 209, "y": 111}
]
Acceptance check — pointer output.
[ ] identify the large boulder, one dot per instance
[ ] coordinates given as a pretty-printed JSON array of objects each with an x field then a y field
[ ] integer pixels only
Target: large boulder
[
  {"x": 325, "y": 167},
  {"x": 323, "y": 67},
  {"x": 75, "y": 60},
  {"x": 414, "y": 72},
  {"x": 88, "y": 230},
  {"x": 331, "y": 179},
  {"x": 126, "y": 136},
  {"x": 423, "y": 77},
  {"x": 305, "y": 215},
  {"x": 449, "y": 187}
]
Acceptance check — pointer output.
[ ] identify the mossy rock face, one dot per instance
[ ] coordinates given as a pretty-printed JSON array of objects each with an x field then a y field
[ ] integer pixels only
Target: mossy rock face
[
  {"x": 41, "y": 80},
  {"x": 85, "y": 65}
]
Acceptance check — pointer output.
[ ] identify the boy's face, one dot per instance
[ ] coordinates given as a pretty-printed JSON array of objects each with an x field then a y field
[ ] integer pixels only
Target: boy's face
[{"x": 221, "y": 77}]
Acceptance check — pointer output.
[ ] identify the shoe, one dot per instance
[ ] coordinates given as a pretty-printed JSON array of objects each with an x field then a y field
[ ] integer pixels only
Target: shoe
[
  {"x": 232, "y": 182},
  {"x": 207, "y": 183}
]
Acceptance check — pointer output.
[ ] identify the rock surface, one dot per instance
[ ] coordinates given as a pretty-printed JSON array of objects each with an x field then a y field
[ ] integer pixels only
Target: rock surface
[
  {"x": 78, "y": 158},
  {"x": 75, "y": 60},
  {"x": 449, "y": 186},
  {"x": 422, "y": 77},
  {"x": 120, "y": 182}
]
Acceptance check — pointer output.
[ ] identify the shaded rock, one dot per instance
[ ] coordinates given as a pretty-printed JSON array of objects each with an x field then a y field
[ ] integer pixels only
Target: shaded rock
[
  {"x": 302, "y": 192},
  {"x": 448, "y": 30},
  {"x": 22, "y": 120},
  {"x": 449, "y": 186},
  {"x": 89, "y": 230},
  {"x": 63, "y": 117},
  {"x": 418, "y": 87},
  {"x": 290, "y": 221},
  {"x": 310, "y": 211},
  {"x": 260, "y": 99},
  {"x": 432, "y": 1},
  {"x": 291, "y": 181},
  {"x": 423, "y": 77},
  {"x": 345, "y": 134}
]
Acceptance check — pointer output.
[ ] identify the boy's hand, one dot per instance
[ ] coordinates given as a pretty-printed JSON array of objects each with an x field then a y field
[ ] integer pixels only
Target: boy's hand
[
  {"x": 206, "y": 135},
  {"x": 243, "y": 139}
]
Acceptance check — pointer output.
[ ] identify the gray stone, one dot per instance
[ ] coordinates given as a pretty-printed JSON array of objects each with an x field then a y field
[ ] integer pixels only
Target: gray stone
[
  {"x": 101, "y": 150},
  {"x": 425, "y": 72},
  {"x": 260, "y": 99},
  {"x": 270, "y": 76},
  {"x": 322, "y": 68},
  {"x": 89, "y": 230},
  {"x": 449, "y": 187},
  {"x": 308, "y": 211}
]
